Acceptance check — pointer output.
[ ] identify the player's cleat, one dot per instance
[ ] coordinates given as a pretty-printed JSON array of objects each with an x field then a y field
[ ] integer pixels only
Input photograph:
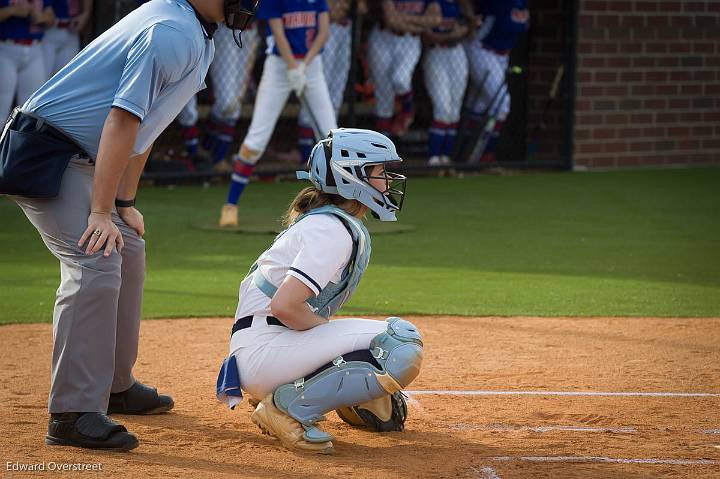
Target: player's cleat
[
  {"x": 434, "y": 161},
  {"x": 402, "y": 123},
  {"x": 276, "y": 423},
  {"x": 222, "y": 166},
  {"x": 139, "y": 399},
  {"x": 91, "y": 430},
  {"x": 229, "y": 216}
]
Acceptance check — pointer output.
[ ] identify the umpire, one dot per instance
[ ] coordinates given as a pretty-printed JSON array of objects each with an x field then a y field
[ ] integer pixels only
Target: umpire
[{"x": 71, "y": 158}]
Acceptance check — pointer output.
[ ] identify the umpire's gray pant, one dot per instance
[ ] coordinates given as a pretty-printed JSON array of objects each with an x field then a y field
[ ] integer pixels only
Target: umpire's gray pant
[{"x": 96, "y": 322}]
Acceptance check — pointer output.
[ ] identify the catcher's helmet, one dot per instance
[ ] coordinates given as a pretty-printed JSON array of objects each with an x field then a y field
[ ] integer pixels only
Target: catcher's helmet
[{"x": 342, "y": 164}]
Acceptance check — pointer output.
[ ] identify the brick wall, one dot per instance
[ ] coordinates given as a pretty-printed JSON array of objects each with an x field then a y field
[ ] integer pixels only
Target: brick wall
[{"x": 648, "y": 83}]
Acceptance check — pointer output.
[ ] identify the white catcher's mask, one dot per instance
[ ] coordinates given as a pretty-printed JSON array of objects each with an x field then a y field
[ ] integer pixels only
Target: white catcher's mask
[{"x": 342, "y": 164}]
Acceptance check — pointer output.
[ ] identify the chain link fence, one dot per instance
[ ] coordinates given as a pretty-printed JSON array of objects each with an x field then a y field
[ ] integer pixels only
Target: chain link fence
[{"x": 447, "y": 80}]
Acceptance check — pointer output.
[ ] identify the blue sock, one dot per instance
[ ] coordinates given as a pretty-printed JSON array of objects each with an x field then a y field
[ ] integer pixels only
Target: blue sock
[
  {"x": 306, "y": 141},
  {"x": 224, "y": 133},
  {"x": 436, "y": 138},
  {"x": 242, "y": 171},
  {"x": 450, "y": 136},
  {"x": 190, "y": 139}
]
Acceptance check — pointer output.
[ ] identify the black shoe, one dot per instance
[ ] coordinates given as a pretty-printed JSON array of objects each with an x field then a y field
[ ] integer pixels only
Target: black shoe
[
  {"x": 92, "y": 430},
  {"x": 139, "y": 399}
]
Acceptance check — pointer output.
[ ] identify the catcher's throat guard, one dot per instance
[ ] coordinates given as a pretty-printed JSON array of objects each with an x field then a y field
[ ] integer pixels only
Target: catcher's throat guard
[{"x": 238, "y": 14}]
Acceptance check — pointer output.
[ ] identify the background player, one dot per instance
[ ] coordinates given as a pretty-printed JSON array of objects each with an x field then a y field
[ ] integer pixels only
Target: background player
[
  {"x": 336, "y": 66},
  {"x": 446, "y": 71},
  {"x": 283, "y": 345},
  {"x": 299, "y": 29},
  {"x": 394, "y": 49},
  {"x": 62, "y": 41},
  {"x": 22, "y": 69},
  {"x": 488, "y": 55},
  {"x": 229, "y": 75}
]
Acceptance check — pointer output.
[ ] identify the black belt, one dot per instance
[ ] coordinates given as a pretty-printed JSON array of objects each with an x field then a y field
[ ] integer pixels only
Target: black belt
[{"x": 246, "y": 322}]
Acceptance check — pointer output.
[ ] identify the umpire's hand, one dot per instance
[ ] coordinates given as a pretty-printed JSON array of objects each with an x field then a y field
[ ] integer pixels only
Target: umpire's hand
[{"x": 101, "y": 231}]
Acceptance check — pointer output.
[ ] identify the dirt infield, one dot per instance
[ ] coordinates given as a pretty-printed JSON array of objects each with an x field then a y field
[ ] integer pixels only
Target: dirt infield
[{"x": 497, "y": 398}]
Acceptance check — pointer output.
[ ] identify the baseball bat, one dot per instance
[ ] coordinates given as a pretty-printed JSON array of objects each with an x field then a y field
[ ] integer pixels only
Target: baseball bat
[
  {"x": 315, "y": 125},
  {"x": 480, "y": 140},
  {"x": 534, "y": 136}
]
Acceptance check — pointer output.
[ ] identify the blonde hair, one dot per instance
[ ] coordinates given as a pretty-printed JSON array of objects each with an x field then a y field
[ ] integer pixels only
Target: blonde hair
[{"x": 310, "y": 198}]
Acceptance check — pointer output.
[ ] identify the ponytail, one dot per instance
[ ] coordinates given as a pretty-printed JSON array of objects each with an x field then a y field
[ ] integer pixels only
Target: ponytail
[{"x": 310, "y": 198}]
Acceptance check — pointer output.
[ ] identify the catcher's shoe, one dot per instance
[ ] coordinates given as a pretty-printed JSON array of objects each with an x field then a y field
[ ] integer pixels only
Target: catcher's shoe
[
  {"x": 384, "y": 414},
  {"x": 229, "y": 216},
  {"x": 274, "y": 422}
]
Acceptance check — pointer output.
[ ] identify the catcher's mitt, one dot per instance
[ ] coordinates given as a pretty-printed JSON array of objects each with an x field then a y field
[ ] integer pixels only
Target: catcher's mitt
[{"x": 384, "y": 414}]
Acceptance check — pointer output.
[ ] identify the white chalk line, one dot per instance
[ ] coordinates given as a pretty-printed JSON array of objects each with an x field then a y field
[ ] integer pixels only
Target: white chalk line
[
  {"x": 566, "y": 428},
  {"x": 541, "y": 429},
  {"x": 602, "y": 459},
  {"x": 439, "y": 392}
]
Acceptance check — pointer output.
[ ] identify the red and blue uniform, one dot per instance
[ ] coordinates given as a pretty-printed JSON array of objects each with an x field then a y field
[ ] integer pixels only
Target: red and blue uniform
[
  {"x": 66, "y": 9},
  {"x": 22, "y": 28},
  {"x": 300, "y": 20},
  {"x": 509, "y": 19}
]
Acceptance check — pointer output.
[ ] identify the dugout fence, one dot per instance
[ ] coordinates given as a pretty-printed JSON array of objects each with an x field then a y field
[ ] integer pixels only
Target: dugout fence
[{"x": 532, "y": 82}]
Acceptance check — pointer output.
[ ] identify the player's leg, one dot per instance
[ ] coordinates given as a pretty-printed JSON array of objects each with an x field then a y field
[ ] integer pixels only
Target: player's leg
[
  {"x": 317, "y": 97},
  {"x": 406, "y": 54},
  {"x": 335, "y": 365},
  {"x": 9, "y": 61},
  {"x": 272, "y": 94},
  {"x": 436, "y": 75},
  {"x": 230, "y": 73},
  {"x": 457, "y": 82},
  {"x": 50, "y": 47},
  {"x": 336, "y": 65},
  {"x": 187, "y": 118},
  {"x": 494, "y": 99},
  {"x": 31, "y": 74},
  {"x": 380, "y": 63},
  {"x": 68, "y": 49}
]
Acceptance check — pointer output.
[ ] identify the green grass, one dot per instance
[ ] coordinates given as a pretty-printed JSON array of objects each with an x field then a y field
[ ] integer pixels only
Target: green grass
[{"x": 630, "y": 243}]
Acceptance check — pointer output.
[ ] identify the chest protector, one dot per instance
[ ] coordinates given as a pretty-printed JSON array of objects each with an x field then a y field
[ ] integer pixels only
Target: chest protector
[{"x": 334, "y": 295}]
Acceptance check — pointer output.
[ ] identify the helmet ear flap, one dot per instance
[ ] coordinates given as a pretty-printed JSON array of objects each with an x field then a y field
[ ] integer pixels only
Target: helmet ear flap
[{"x": 329, "y": 177}]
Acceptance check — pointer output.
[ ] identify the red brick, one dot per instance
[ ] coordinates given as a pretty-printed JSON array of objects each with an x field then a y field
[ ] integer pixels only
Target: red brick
[
  {"x": 688, "y": 145},
  {"x": 681, "y": 21},
  {"x": 655, "y": 104},
  {"x": 657, "y": 21},
  {"x": 630, "y": 76},
  {"x": 619, "y": 6},
  {"x": 589, "y": 119},
  {"x": 653, "y": 131},
  {"x": 592, "y": 62},
  {"x": 619, "y": 118},
  {"x": 670, "y": 6},
  {"x": 632, "y": 47},
  {"x": 669, "y": 89},
  {"x": 604, "y": 133},
  {"x": 643, "y": 61},
  {"x": 668, "y": 62},
  {"x": 694, "y": 6},
  {"x": 678, "y": 131},
  {"x": 666, "y": 117},
  {"x": 636, "y": 118},
  {"x": 643, "y": 6},
  {"x": 616, "y": 90},
  {"x": 642, "y": 146},
  {"x": 605, "y": 76},
  {"x": 616, "y": 147},
  {"x": 704, "y": 48},
  {"x": 618, "y": 62},
  {"x": 679, "y": 47},
  {"x": 656, "y": 76},
  {"x": 583, "y": 147},
  {"x": 594, "y": 6},
  {"x": 679, "y": 103},
  {"x": 680, "y": 75},
  {"x": 591, "y": 90},
  {"x": 630, "y": 132}
]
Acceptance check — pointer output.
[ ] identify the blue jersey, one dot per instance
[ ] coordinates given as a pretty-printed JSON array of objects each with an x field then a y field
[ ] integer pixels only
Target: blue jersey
[
  {"x": 136, "y": 65},
  {"x": 450, "y": 14},
  {"x": 22, "y": 28},
  {"x": 66, "y": 9},
  {"x": 508, "y": 18},
  {"x": 300, "y": 20}
]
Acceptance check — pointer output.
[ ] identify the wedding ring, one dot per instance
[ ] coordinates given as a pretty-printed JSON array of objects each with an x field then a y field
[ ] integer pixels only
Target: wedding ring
[{"x": 97, "y": 232}]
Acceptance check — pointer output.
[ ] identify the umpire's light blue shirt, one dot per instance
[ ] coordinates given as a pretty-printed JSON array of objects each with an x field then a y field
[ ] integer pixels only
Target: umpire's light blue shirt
[{"x": 150, "y": 64}]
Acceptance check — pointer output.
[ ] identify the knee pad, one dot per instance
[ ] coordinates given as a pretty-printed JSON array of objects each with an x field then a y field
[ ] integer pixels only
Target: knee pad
[
  {"x": 392, "y": 362},
  {"x": 399, "y": 350}
]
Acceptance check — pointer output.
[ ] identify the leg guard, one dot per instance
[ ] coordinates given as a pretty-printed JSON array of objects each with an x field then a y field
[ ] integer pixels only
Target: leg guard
[{"x": 395, "y": 362}]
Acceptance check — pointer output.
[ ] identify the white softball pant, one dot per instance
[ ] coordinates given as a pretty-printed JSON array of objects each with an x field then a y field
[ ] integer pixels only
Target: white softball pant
[
  {"x": 392, "y": 59},
  {"x": 487, "y": 74},
  {"x": 22, "y": 71},
  {"x": 274, "y": 355},
  {"x": 59, "y": 46},
  {"x": 273, "y": 92},
  {"x": 446, "y": 75}
]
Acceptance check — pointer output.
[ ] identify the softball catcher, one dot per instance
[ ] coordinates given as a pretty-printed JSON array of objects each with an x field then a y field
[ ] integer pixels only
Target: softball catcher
[{"x": 283, "y": 348}]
